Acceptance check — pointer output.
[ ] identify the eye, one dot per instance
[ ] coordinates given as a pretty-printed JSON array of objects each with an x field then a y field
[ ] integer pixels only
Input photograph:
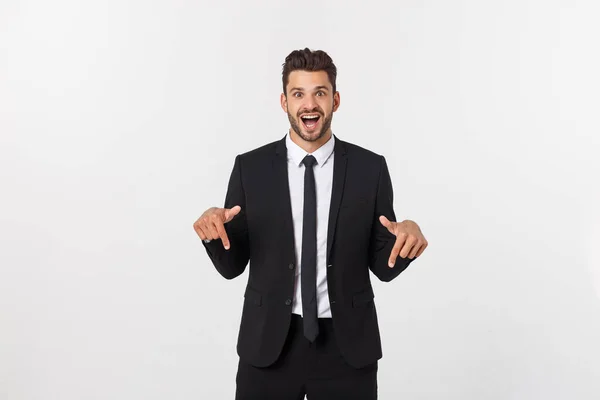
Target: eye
[
  {"x": 323, "y": 93},
  {"x": 297, "y": 94}
]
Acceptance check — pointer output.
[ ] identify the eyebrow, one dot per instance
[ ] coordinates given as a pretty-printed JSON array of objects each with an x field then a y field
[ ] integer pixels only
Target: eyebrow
[{"x": 316, "y": 88}]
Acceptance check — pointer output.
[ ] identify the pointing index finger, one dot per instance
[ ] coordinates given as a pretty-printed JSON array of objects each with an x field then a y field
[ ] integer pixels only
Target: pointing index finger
[
  {"x": 396, "y": 250},
  {"x": 222, "y": 234}
]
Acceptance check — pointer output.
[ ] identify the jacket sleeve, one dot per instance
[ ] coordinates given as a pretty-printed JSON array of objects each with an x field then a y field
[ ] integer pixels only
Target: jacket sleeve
[
  {"x": 231, "y": 263},
  {"x": 382, "y": 241}
]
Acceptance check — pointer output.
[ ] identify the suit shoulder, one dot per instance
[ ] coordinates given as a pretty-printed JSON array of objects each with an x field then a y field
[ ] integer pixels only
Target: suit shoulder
[
  {"x": 362, "y": 153},
  {"x": 260, "y": 152}
]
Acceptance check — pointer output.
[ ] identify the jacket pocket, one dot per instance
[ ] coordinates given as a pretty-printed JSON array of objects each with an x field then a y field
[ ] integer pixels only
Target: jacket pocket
[
  {"x": 363, "y": 298},
  {"x": 253, "y": 296}
]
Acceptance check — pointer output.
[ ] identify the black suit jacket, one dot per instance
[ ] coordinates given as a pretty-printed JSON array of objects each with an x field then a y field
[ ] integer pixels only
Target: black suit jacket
[{"x": 262, "y": 233}]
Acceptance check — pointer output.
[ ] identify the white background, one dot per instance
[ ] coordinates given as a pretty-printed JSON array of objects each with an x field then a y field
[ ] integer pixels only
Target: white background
[{"x": 119, "y": 124}]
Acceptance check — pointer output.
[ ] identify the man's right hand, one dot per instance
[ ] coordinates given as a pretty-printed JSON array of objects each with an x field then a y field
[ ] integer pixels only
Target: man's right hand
[{"x": 211, "y": 226}]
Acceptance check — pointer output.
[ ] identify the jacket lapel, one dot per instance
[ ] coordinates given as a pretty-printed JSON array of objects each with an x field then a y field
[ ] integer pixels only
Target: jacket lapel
[
  {"x": 340, "y": 160},
  {"x": 280, "y": 171},
  {"x": 282, "y": 195}
]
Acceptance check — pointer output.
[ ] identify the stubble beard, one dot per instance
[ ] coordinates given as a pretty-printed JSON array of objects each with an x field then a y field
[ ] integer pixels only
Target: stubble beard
[{"x": 295, "y": 124}]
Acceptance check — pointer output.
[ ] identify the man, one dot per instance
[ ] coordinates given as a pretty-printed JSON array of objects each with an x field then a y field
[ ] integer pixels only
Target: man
[{"x": 312, "y": 214}]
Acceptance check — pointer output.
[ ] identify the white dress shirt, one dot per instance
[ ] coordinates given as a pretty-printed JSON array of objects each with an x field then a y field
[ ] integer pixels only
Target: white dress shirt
[{"x": 323, "y": 181}]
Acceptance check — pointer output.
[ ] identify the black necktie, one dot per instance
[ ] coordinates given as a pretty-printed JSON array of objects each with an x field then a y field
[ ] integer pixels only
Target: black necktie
[{"x": 308, "y": 272}]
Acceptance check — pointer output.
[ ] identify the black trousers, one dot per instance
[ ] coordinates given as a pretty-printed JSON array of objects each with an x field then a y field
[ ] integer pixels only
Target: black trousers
[{"x": 316, "y": 370}]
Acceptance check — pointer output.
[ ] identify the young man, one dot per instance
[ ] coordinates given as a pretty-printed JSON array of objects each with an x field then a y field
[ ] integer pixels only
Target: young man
[{"x": 312, "y": 214}]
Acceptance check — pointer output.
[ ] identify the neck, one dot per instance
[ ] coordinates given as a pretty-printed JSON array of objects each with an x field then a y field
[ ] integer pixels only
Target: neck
[{"x": 307, "y": 146}]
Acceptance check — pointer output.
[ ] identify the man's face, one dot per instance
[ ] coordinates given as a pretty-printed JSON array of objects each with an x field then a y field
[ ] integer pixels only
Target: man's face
[{"x": 310, "y": 104}]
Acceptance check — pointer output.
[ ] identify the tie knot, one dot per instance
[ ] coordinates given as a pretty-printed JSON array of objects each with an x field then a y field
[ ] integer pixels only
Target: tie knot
[{"x": 309, "y": 161}]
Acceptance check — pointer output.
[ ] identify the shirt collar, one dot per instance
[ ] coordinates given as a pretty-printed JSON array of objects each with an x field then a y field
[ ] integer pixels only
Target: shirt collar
[{"x": 297, "y": 153}]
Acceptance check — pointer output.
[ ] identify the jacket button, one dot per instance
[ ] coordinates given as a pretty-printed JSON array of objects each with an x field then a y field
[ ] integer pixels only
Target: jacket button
[
  {"x": 288, "y": 302},
  {"x": 329, "y": 266},
  {"x": 291, "y": 266},
  {"x": 332, "y": 301}
]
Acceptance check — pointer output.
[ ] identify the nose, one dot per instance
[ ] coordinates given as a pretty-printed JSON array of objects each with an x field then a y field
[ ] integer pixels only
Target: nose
[{"x": 310, "y": 104}]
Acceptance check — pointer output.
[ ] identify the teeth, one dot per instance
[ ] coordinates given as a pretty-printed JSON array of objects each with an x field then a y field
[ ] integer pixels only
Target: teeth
[{"x": 310, "y": 116}]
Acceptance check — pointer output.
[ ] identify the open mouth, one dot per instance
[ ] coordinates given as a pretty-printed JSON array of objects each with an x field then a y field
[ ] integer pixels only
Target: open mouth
[{"x": 310, "y": 121}]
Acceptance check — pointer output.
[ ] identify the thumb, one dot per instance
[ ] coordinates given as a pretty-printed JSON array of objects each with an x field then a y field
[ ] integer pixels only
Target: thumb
[
  {"x": 231, "y": 212},
  {"x": 386, "y": 222}
]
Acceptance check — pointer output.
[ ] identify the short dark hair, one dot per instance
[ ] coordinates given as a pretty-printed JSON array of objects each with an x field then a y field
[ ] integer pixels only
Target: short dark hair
[{"x": 308, "y": 60}]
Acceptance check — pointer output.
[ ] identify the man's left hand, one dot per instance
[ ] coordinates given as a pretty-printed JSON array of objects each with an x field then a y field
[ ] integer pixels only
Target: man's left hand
[{"x": 409, "y": 239}]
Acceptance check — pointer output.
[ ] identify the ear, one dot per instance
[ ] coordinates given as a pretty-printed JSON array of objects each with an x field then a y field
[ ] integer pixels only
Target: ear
[
  {"x": 283, "y": 101},
  {"x": 336, "y": 101}
]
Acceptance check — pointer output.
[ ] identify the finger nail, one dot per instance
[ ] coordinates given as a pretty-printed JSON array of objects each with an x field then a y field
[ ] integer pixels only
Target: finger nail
[
  {"x": 227, "y": 247},
  {"x": 391, "y": 264}
]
